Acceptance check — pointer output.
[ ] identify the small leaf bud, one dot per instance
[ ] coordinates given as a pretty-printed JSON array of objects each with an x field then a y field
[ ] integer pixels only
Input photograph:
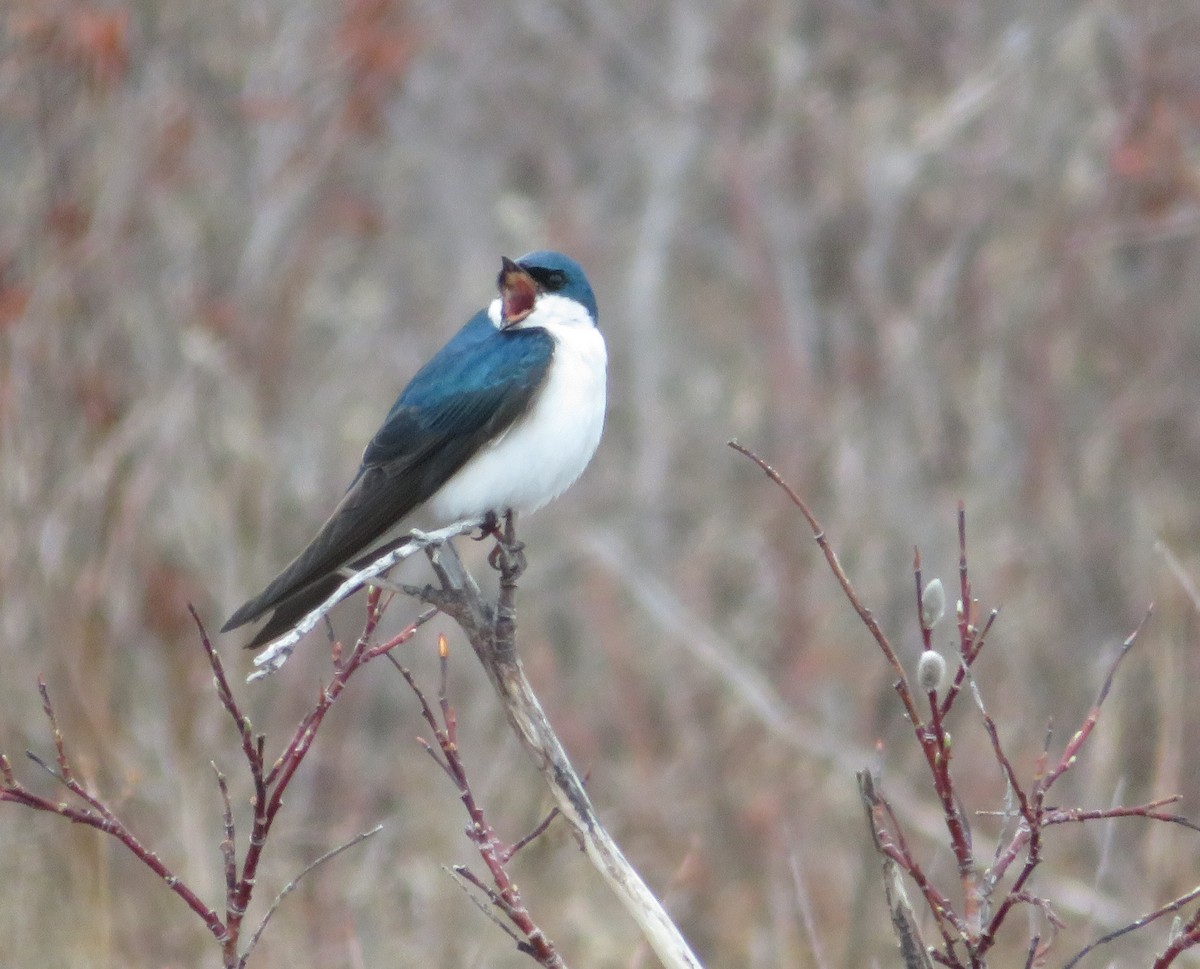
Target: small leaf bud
[
  {"x": 931, "y": 670},
  {"x": 933, "y": 604}
]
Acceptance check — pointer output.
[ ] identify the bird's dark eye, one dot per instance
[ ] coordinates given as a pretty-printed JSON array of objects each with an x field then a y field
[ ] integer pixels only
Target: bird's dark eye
[{"x": 555, "y": 279}]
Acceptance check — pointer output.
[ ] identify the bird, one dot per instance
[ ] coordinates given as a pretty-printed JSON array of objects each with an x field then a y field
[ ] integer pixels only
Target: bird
[{"x": 504, "y": 418}]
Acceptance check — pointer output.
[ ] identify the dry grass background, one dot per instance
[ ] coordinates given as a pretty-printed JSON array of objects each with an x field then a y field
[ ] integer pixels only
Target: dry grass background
[{"x": 911, "y": 252}]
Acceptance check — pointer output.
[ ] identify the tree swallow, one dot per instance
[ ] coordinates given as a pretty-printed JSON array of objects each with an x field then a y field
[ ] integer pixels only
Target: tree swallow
[{"x": 504, "y": 418}]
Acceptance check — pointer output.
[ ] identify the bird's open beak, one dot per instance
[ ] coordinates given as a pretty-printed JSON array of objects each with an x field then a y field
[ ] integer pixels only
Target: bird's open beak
[{"x": 518, "y": 292}]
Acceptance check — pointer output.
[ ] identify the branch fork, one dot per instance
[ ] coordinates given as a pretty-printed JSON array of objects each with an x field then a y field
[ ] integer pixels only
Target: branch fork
[{"x": 969, "y": 934}]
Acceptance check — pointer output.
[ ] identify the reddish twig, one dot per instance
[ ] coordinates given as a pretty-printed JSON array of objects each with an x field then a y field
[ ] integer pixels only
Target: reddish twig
[
  {"x": 891, "y": 838},
  {"x": 1148, "y": 810},
  {"x": 906, "y": 697},
  {"x": 495, "y": 854},
  {"x": 1031, "y": 814},
  {"x": 1138, "y": 923},
  {"x": 970, "y": 639},
  {"x": 97, "y": 815},
  {"x": 932, "y": 738},
  {"x": 269, "y": 785},
  {"x": 905, "y": 925},
  {"x": 538, "y": 830}
]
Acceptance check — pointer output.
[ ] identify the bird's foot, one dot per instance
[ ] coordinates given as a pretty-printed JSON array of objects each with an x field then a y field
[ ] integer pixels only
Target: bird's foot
[
  {"x": 489, "y": 528},
  {"x": 508, "y": 557}
]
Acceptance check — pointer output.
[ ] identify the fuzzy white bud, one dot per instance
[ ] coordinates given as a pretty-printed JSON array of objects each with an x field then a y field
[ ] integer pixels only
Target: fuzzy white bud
[
  {"x": 931, "y": 670},
  {"x": 933, "y": 604}
]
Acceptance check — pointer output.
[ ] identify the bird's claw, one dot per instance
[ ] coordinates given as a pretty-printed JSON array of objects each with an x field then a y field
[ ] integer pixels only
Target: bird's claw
[
  {"x": 508, "y": 556},
  {"x": 490, "y": 528}
]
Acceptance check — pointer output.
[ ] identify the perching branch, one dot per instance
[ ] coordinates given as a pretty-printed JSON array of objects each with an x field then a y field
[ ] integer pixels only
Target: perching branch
[
  {"x": 277, "y": 653},
  {"x": 491, "y": 633}
]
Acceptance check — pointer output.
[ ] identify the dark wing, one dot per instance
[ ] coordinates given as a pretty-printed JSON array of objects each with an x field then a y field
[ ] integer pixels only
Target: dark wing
[{"x": 473, "y": 389}]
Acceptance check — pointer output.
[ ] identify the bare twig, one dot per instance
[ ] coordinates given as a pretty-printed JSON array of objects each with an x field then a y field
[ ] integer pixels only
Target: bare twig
[
  {"x": 904, "y": 921},
  {"x": 96, "y": 815},
  {"x": 975, "y": 928},
  {"x": 291, "y": 886},
  {"x": 1138, "y": 923},
  {"x": 277, "y": 653},
  {"x": 932, "y": 738},
  {"x": 491, "y": 632},
  {"x": 1081, "y": 735},
  {"x": 269, "y": 786},
  {"x": 1148, "y": 810},
  {"x": 466, "y": 879},
  {"x": 538, "y": 830},
  {"x": 495, "y": 854},
  {"x": 839, "y": 573}
]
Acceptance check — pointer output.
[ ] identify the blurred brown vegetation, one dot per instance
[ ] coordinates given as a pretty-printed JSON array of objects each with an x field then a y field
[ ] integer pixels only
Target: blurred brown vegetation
[{"x": 911, "y": 251}]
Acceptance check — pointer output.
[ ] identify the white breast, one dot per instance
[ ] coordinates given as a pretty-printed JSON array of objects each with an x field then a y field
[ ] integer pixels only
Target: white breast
[{"x": 541, "y": 455}]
